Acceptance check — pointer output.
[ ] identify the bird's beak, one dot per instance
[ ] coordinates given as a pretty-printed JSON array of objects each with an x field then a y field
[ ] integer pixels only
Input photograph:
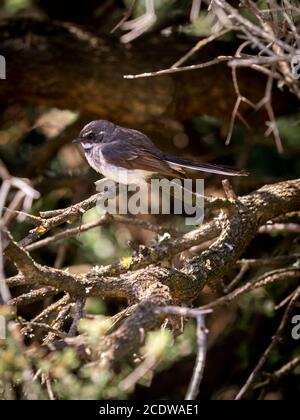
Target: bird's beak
[{"x": 77, "y": 140}]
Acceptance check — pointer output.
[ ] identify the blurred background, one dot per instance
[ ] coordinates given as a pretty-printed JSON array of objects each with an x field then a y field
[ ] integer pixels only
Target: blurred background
[{"x": 65, "y": 67}]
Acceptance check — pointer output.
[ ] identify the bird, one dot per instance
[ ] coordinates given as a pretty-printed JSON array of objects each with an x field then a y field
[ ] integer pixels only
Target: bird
[{"x": 128, "y": 156}]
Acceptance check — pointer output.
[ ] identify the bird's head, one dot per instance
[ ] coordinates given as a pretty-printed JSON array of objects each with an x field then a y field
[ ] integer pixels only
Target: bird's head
[{"x": 95, "y": 133}]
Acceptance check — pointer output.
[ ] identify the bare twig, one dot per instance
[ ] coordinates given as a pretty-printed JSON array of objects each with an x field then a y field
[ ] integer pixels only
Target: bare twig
[
  {"x": 194, "y": 385},
  {"x": 284, "y": 302},
  {"x": 272, "y": 125},
  {"x": 33, "y": 296},
  {"x": 229, "y": 191},
  {"x": 198, "y": 314},
  {"x": 126, "y": 16},
  {"x": 195, "y": 10},
  {"x": 32, "y": 324},
  {"x": 49, "y": 389},
  {"x": 200, "y": 44},
  {"x": 23, "y": 198},
  {"x": 183, "y": 311},
  {"x": 59, "y": 322},
  {"x": 278, "y": 375},
  {"x": 240, "y": 98},
  {"x": 78, "y": 315},
  {"x": 147, "y": 365},
  {"x": 264, "y": 280},
  {"x": 217, "y": 60},
  {"x": 47, "y": 312},
  {"x": 104, "y": 220},
  {"x": 244, "y": 268},
  {"x": 49, "y": 221},
  {"x": 4, "y": 290},
  {"x": 280, "y": 228},
  {"x": 269, "y": 262},
  {"x": 286, "y": 369},
  {"x": 269, "y": 349}
]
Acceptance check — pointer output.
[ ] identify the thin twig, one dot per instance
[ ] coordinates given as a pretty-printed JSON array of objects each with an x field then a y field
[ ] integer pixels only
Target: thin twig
[
  {"x": 280, "y": 228},
  {"x": 29, "y": 325},
  {"x": 269, "y": 349},
  {"x": 240, "y": 98},
  {"x": 147, "y": 365},
  {"x": 78, "y": 315},
  {"x": 245, "y": 267},
  {"x": 200, "y": 44},
  {"x": 104, "y": 220},
  {"x": 49, "y": 389},
  {"x": 195, "y": 10},
  {"x": 269, "y": 262},
  {"x": 261, "y": 281},
  {"x": 199, "y": 314},
  {"x": 45, "y": 314},
  {"x": 59, "y": 322},
  {"x": 213, "y": 62},
  {"x": 194, "y": 385},
  {"x": 284, "y": 302},
  {"x": 33, "y": 296},
  {"x": 126, "y": 16}
]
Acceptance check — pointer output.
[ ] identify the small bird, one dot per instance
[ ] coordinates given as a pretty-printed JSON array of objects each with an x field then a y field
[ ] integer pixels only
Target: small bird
[{"x": 128, "y": 156}]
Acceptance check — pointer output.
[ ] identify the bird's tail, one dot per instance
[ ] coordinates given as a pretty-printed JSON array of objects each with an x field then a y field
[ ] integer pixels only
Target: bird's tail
[{"x": 177, "y": 162}]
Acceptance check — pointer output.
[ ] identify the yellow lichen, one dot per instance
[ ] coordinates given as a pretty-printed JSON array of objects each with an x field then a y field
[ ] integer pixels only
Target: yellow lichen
[
  {"x": 126, "y": 262},
  {"x": 41, "y": 230},
  {"x": 208, "y": 264}
]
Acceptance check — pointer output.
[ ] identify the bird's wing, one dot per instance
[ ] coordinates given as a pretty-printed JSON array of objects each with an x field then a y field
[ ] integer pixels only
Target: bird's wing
[{"x": 136, "y": 158}]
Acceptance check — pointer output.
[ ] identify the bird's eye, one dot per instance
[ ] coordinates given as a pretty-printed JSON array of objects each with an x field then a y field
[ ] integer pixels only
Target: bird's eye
[
  {"x": 100, "y": 135},
  {"x": 91, "y": 136}
]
